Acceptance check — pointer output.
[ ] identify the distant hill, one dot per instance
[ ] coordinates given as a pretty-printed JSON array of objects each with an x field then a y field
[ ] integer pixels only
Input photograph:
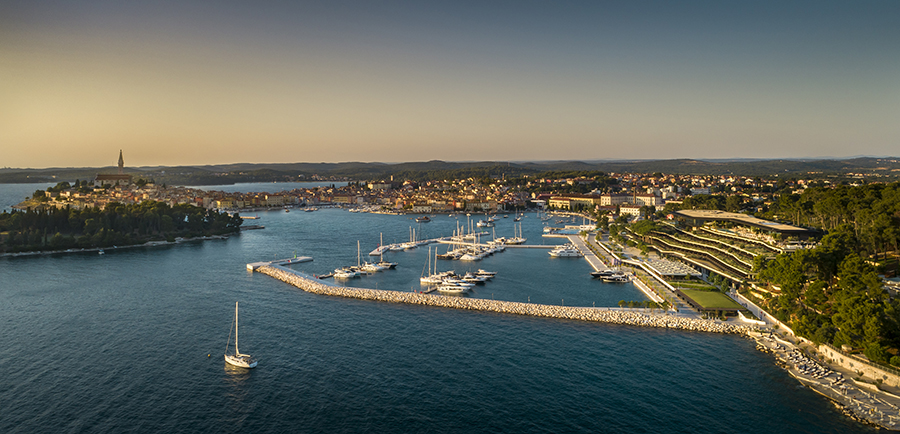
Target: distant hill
[{"x": 435, "y": 169}]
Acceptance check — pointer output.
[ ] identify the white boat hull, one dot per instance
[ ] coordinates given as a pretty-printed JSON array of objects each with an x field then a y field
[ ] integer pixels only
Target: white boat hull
[
  {"x": 241, "y": 361},
  {"x": 450, "y": 289}
]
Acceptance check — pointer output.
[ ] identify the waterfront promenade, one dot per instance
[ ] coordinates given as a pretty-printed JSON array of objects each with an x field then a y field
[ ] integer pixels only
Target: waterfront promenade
[
  {"x": 840, "y": 385},
  {"x": 315, "y": 286},
  {"x": 589, "y": 255}
]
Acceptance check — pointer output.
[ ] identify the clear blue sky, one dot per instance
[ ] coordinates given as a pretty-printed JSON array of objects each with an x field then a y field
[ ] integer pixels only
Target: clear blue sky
[{"x": 186, "y": 82}]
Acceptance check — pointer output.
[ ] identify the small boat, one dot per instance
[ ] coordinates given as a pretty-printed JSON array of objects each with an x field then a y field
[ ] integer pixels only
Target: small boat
[
  {"x": 474, "y": 278},
  {"x": 453, "y": 281},
  {"x": 451, "y": 289},
  {"x": 238, "y": 359},
  {"x": 617, "y": 277},
  {"x": 101, "y": 252},
  {"x": 423, "y": 219},
  {"x": 470, "y": 257},
  {"x": 388, "y": 265},
  {"x": 488, "y": 274},
  {"x": 346, "y": 273},
  {"x": 371, "y": 268}
]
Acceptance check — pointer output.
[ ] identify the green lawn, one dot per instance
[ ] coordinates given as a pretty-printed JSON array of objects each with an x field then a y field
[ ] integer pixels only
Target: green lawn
[{"x": 711, "y": 300}]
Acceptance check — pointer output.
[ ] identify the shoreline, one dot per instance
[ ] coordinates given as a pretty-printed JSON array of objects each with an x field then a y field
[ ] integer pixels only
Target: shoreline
[
  {"x": 874, "y": 407},
  {"x": 97, "y": 249}
]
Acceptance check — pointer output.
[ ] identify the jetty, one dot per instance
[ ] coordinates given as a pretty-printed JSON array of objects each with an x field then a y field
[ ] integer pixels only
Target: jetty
[
  {"x": 295, "y": 260},
  {"x": 593, "y": 314}
]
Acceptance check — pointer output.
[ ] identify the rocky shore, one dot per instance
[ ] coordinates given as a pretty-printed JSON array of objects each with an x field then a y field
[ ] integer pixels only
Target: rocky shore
[
  {"x": 310, "y": 284},
  {"x": 178, "y": 240},
  {"x": 873, "y": 407}
]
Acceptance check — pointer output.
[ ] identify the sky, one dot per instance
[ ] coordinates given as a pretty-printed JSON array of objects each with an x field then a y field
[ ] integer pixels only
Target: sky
[{"x": 211, "y": 82}]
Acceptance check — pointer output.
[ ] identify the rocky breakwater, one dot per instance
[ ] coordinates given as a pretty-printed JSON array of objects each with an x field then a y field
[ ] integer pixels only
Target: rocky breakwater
[{"x": 315, "y": 286}]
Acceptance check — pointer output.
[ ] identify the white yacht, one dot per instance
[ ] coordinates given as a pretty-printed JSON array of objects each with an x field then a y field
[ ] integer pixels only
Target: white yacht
[
  {"x": 371, "y": 268},
  {"x": 454, "y": 281},
  {"x": 565, "y": 251},
  {"x": 451, "y": 289},
  {"x": 346, "y": 273},
  {"x": 617, "y": 277},
  {"x": 485, "y": 224},
  {"x": 487, "y": 274}
]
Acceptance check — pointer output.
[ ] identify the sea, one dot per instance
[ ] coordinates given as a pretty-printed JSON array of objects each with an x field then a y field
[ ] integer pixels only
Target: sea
[{"x": 133, "y": 341}]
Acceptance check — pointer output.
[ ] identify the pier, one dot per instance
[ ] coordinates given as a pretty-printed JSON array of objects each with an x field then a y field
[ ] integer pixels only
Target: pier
[
  {"x": 589, "y": 255},
  {"x": 295, "y": 260},
  {"x": 315, "y": 286},
  {"x": 447, "y": 240}
]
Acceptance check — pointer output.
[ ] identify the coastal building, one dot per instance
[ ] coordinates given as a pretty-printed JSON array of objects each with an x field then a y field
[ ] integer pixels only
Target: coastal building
[
  {"x": 575, "y": 201},
  {"x": 613, "y": 199},
  {"x": 630, "y": 209},
  {"x": 115, "y": 179},
  {"x": 698, "y": 218}
]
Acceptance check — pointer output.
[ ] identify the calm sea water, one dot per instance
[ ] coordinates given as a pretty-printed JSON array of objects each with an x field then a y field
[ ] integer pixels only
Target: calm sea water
[
  {"x": 269, "y": 187},
  {"x": 120, "y": 343}
]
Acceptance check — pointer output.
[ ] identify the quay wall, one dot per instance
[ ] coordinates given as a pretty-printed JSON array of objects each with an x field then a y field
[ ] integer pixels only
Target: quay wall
[
  {"x": 863, "y": 368},
  {"x": 315, "y": 286}
]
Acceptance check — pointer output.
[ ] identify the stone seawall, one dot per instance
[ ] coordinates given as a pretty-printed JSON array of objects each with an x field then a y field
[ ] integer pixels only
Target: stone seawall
[{"x": 315, "y": 286}]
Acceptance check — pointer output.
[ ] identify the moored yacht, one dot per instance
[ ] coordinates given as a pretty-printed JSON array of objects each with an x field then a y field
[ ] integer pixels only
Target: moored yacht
[
  {"x": 617, "y": 277},
  {"x": 387, "y": 265},
  {"x": 565, "y": 251},
  {"x": 451, "y": 289}
]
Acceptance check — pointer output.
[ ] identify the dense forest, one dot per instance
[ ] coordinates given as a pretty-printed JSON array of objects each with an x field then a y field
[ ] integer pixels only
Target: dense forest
[
  {"x": 871, "y": 211},
  {"x": 833, "y": 295},
  {"x": 116, "y": 225}
]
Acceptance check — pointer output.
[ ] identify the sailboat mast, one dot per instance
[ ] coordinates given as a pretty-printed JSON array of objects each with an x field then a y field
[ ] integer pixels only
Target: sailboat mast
[{"x": 236, "y": 351}]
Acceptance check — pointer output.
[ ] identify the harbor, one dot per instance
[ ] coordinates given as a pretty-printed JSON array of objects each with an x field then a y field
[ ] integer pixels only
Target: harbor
[{"x": 335, "y": 352}]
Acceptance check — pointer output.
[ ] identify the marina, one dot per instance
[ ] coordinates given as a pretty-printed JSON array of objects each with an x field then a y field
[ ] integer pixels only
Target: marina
[{"x": 312, "y": 346}]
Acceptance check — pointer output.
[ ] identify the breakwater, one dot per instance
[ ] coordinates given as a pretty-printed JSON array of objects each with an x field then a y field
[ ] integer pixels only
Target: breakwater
[{"x": 315, "y": 286}]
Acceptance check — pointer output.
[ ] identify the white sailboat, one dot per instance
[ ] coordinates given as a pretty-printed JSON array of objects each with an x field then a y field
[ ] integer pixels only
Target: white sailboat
[{"x": 238, "y": 359}]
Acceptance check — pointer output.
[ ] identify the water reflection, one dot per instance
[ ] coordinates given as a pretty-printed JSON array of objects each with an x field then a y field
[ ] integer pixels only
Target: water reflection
[{"x": 236, "y": 374}]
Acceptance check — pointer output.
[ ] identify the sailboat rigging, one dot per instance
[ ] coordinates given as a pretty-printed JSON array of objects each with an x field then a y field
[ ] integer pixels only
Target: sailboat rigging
[{"x": 238, "y": 359}]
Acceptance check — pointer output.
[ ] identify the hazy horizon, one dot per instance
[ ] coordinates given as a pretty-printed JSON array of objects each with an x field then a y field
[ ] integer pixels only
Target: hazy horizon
[{"x": 188, "y": 83}]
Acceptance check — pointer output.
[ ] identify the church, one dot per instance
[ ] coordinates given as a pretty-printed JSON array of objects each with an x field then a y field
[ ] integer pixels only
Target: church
[{"x": 114, "y": 179}]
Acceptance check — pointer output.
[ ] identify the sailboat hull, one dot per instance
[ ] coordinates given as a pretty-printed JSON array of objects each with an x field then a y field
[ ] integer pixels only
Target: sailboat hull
[{"x": 242, "y": 361}]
